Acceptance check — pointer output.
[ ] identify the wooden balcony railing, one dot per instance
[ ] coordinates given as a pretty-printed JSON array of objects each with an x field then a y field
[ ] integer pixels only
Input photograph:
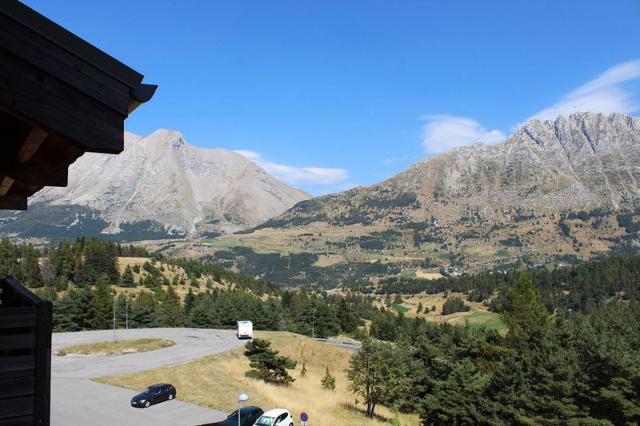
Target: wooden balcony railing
[{"x": 25, "y": 356}]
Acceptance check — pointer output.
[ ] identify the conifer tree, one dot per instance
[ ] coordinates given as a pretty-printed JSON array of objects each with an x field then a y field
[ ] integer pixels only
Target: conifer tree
[
  {"x": 328, "y": 381},
  {"x": 170, "y": 312},
  {"x": 31, "y": 275},
  {"x": 127, "y": 279},
  {"x": 8, "y": 258},
  {"x": 189, "y": 301},
  {"x": 266, "y": 364},
  {"x": 102, "y": 304},
  {"x": 143, "y": 310}
]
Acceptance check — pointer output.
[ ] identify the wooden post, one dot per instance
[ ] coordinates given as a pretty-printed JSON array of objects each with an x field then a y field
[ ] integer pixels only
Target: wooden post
[{"x": 43, "y": 363}]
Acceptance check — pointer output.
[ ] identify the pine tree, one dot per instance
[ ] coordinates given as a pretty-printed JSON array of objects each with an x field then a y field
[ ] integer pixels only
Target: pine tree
[
  {"x": 8, "y": 258},
  {"x": 102, "y": 304},
  {"x": 143, "y": 310},
  {"x": 328, "y": 381},
  {"x": 454, "y": 304},
  {"x": 74, "y": 311},
  {"x": 99, "y": 258},
  {"x": 202, "y": 313},
  {"x": 189, "y": 301},
  {"x": 127, "y": 279},
  {"x": 170, "y": 312},
  {"x": 30, "y": 268},
  {"x": 266, "y": 364},
  {"x": 63, "y": 260},
  {"x": 347, "y": 318}
]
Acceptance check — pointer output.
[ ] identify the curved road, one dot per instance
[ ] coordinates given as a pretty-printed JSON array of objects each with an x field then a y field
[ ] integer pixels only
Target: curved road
[{"x": 77, "y": 400}]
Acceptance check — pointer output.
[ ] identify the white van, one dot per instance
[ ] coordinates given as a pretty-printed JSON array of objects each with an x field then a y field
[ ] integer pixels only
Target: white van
[{"x": 245, "y": 330}]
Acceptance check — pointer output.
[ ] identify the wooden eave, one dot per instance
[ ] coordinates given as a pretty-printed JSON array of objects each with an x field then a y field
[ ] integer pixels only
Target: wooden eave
[{"x": 59, "y": 98}]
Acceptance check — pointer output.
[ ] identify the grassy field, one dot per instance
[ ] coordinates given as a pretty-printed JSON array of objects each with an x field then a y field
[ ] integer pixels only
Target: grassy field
[
  {"x": 216, "y": 381},
  {"x": 478, "y": 316},
  {"x": 400, "y": 308},
  {"x": 116, "y": 348},
  {"x": 489, "y": 320}
]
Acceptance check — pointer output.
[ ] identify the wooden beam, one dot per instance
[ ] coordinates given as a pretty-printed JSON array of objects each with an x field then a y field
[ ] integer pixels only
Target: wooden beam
[
  {"x": 37, "y": 173},
  {"x": 64, "y": 65},
  {"x": 51, "y": 104},
  {"x": 13, "y": 201},
  {"x": 31, "y": 144},
  {"x": 5, "y": 185}
]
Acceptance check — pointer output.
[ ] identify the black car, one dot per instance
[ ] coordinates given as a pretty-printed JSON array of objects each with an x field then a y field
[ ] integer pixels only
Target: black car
[
  {"x": 248, "y": 416},
  {"x": 153, "y": 395}
]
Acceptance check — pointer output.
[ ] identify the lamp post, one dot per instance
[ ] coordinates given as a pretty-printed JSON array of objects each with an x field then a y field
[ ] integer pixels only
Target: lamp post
[
  {"x": 243, "y": 397},
  {"x": 313, "y": 323},
  {"x": 114, "y": 316}
]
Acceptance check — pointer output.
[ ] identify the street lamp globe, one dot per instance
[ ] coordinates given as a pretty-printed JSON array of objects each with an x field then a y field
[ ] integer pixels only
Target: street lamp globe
[{"x": 243, "y": 397}]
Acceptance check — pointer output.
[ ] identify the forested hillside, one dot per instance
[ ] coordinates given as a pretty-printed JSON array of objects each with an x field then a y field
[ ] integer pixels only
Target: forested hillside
[
  {"x": 570, "y": 355},
  {"x": 80, "y": 279},
  {"x": 569, "y": 368}
]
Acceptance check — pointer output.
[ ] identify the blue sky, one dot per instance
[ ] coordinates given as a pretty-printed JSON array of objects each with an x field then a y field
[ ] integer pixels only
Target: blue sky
[{"x": 330, "y": 94}]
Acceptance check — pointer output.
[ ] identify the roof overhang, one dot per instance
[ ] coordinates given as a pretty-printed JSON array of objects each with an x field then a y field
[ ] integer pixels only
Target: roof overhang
[{"x": 59, "y": 98}]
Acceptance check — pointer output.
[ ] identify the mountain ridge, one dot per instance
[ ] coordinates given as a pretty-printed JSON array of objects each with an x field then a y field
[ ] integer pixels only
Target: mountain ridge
[
  {"x": 555, "y": 191},
  {"x": 182, "y": 189}
]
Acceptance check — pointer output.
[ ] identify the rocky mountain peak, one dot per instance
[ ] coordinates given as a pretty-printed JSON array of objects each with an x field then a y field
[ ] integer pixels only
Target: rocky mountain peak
[
  {"x": 521, "y": 192},
  {"x": 164, "y": 182}
]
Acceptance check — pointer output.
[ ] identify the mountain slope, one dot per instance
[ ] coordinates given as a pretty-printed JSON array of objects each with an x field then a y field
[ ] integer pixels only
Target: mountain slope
[
  {"x": 561, "y": 189},
  {"x": 161, "y": 185}
]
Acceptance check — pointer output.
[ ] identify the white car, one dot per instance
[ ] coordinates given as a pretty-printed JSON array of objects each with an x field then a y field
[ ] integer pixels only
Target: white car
[{"x": 275, "y": 417}]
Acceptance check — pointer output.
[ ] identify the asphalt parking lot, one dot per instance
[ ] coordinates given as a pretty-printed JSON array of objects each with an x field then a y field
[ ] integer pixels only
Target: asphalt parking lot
[{"x": 77, "y": 400}]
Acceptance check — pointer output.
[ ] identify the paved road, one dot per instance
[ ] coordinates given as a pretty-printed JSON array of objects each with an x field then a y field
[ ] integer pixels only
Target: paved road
[
  {"x": 353, "y": 346},
  {"x": 76, "y": 400}
]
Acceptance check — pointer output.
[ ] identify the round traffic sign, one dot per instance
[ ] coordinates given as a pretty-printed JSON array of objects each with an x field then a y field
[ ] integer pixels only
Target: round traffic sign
[{"x": 304, "y": 417}]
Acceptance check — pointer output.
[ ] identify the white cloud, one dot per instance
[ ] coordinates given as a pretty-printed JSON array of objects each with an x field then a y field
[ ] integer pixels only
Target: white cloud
[
  {"x": 293, "y": 175},
  {"x": 602, "y": 94},
  {"x": 444, "y": 132}
]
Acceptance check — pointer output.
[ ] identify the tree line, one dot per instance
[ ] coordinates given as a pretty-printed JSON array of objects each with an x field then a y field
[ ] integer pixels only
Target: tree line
[
  {"x": 84, "y": 272},
  {"x": 582, "y": 287},
  {"x": 571, "y": 368}
]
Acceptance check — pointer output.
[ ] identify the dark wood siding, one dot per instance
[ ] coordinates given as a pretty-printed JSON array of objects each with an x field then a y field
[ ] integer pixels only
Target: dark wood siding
[{"x": 25, "y": 356}]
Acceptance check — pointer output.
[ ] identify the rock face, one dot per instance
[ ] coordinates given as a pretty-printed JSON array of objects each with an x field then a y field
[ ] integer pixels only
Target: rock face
[
  {"x": 580, "y": 162},
  {"x": 525, "y": 193},
  {"x": 169, "y": 186}
]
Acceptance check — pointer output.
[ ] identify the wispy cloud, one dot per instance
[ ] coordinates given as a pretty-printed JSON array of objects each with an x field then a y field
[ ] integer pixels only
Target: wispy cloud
[
  {"x": 603, "y": 94},
  {"x": 294, "y": 175},
  {"x": 444, "y": 132}
]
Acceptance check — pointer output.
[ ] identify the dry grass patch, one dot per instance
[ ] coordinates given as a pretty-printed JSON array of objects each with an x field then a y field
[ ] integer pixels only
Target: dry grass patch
[
  {"x": 119, "y": 347},
  {"x": 216, "y": 381}
]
